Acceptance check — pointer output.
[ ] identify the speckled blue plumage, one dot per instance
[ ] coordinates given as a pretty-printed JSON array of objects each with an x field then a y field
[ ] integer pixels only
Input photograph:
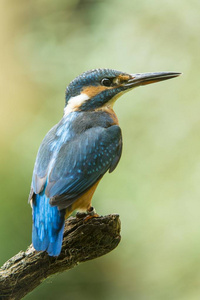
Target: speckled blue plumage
[{"x": 72, "y": 157}]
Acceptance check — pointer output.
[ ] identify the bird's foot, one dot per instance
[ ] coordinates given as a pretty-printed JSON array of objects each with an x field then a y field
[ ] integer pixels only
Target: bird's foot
[
  {"x": 91, "y": 213},
  {"x": 81, "y": 215}
]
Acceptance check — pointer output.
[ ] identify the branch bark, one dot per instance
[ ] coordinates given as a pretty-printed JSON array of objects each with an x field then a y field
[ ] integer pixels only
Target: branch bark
[{"x": 82, "y": 241}]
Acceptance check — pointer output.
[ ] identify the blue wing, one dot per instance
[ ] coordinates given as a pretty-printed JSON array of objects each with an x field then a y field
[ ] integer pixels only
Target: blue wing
[
  {"x": 65, "y": 168},
  {"x": 83, "y": 161},
  {"x": 44, "y": 157}
]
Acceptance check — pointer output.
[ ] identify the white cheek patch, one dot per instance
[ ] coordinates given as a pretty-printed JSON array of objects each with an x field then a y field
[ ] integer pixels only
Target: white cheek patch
[{"x": 75, "y": 102}]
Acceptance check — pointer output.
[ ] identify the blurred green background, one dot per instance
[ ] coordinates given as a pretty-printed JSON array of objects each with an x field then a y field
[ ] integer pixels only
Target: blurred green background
[{"x": 156, "y": 187}]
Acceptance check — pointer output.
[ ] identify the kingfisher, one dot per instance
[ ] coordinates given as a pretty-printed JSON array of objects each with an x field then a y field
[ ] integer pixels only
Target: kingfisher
[{"x": 76, "y": 153}]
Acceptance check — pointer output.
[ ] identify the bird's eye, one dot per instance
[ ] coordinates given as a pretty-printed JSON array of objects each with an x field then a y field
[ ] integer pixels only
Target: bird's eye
[{"x": 106, "y": 82}]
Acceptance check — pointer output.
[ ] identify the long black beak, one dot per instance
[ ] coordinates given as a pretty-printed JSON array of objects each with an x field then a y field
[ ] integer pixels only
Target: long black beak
[{"x": 147, "y": 78}]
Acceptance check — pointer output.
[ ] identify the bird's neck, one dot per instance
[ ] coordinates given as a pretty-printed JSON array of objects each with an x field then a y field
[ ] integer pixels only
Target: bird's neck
[
  {"x": 80, "y": 121},
  {"x": 107, "y": 109}
]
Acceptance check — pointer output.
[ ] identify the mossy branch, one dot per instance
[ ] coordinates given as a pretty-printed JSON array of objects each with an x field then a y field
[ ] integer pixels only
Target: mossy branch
[{"x": 83, "y": 240}]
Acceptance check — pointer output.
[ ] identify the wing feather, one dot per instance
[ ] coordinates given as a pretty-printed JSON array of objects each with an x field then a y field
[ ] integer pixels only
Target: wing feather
[
  {"x": 44, "y": 157},
  {"x": 82, "y": 162},
  {"x": 72, "y": 168}
]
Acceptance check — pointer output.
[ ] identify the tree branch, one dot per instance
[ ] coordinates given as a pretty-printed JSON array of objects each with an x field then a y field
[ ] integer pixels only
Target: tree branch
[{"x": 83, "y": 240}]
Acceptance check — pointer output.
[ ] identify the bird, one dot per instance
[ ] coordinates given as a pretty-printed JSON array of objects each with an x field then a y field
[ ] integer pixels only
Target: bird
[{"x": 76, "y": 153}]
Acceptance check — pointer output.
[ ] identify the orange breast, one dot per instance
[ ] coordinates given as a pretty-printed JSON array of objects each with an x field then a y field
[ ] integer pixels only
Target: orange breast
[{"x": 84, "y": 202}]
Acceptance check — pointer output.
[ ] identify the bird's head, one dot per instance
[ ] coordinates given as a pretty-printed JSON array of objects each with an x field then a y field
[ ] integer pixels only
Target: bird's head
[{"x": 99, "y": 88}]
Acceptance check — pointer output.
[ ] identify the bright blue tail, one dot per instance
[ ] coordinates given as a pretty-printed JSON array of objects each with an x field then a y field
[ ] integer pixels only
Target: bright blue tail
[{"x": 48, "y": 225}]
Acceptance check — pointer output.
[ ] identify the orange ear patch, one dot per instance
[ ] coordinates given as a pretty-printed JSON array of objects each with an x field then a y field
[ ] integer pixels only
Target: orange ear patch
[{"x": 92, "y": 91}]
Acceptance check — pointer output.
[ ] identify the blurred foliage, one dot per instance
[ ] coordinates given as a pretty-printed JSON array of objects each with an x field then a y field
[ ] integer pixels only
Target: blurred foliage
[{"x": 44, "y": 45}]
